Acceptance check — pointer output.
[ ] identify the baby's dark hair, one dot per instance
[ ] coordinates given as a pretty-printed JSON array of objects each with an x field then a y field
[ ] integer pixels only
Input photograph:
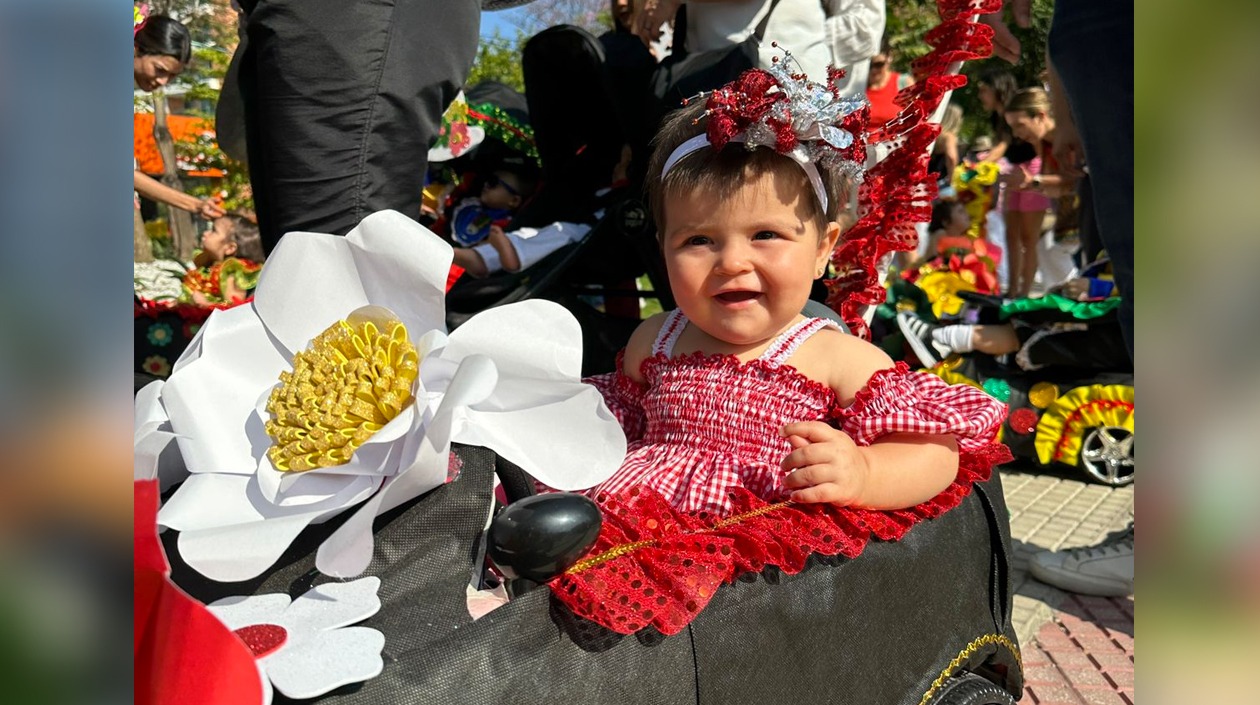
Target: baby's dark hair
[
  {"x": 165, "y": 36},
  {"x": 722, "y": 172},
  {"x": 244, "y": 233}
]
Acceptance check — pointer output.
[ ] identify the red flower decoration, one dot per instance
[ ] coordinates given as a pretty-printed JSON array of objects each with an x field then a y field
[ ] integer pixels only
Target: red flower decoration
[
  {"x": 742, "y": 102},
  {"x": 1022, "y": 421},
  {"x": 458, "y": 139}
]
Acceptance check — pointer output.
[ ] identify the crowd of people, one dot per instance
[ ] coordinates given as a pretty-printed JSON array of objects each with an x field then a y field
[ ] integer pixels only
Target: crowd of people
[{"x": 744, "y": 233}]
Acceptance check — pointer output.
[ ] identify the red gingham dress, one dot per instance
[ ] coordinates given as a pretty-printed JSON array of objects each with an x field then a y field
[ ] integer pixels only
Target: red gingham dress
[{"x": 702, "y": 425}]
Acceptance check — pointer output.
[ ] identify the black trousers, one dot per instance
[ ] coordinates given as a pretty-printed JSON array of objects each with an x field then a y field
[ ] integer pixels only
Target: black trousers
[{"x": 342, "y": 100}]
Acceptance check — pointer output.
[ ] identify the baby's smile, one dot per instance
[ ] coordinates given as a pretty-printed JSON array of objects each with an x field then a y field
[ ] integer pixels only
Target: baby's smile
[{"x": 735, "y": 297}]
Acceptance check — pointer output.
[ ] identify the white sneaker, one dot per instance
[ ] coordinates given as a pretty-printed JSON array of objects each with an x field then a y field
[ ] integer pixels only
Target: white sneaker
[
  {"x": 918, "y": 333},
  {"x": 1105, "y": 569}
]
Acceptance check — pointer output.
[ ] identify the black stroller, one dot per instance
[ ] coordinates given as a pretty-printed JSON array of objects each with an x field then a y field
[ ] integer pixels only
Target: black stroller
[
  {"x": 923, "y": 620},
  {"x": 580, "y": 137}
]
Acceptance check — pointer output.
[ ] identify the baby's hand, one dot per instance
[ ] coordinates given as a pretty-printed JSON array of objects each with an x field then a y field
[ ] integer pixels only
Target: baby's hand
[
  {"x": 496, "y": 231},
  {"x": 826, "y": 465}
]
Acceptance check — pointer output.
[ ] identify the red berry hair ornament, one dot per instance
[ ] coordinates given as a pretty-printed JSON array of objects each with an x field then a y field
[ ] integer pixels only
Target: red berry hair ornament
[{"x": 786, "y": 112}]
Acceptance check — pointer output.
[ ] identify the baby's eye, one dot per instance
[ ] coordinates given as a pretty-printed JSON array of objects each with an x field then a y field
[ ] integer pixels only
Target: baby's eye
[
  {"x": 766, "y": 235},
  {"x": 697, "y": 241}
]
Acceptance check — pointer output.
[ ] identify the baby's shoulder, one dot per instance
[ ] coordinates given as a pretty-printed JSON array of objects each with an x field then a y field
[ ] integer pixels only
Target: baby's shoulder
[
  {"x": 640, "y": 346},
  {"x": 842, "y": 361}
]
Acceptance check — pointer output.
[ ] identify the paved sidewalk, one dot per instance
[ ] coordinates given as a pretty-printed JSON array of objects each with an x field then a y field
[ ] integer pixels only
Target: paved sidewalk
[{"x": 1077, "y": 650}]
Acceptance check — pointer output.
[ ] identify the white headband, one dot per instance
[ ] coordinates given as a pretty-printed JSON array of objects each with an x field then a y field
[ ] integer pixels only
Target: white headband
[{"x": 798, "y": 155}]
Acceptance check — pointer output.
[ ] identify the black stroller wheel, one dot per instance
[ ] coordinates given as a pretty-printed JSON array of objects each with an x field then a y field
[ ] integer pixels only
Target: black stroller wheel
[{"x": 971, "y": 689}]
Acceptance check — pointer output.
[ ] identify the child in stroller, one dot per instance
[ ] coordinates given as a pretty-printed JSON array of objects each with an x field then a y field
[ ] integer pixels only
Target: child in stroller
[
  {"x": 590, "y": 173},
  {"x": 524, "y": 247}
]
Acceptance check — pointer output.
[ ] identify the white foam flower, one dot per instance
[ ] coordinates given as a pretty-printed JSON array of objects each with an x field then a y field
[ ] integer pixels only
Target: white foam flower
[
  {"x": 305, "y": 647},
  {"x": 338, "y": 385}
]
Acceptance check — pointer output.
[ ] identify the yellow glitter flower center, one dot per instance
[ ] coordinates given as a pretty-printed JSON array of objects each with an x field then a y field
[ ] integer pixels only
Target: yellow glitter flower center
[{"x": 354, "y": 378}]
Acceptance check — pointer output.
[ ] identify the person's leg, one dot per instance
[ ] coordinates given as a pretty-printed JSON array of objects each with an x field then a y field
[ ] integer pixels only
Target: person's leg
[
  {"x": 1098, "y": 345},
  {"x": 1091, "y": 45},
  {"x": 1030, "y": 223},
  {"x": 343, "y": 102},
  {"x": 1014, "y": 250},
  {"x": 997, "y": 339}
]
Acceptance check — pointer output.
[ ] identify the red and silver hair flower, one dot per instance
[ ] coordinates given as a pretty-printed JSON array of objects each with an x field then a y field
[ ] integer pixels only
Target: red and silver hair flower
[{"x": 792, "y": 115}]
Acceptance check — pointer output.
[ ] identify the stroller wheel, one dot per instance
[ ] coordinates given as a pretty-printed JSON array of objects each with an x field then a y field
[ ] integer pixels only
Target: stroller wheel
[{"x": 971, "y": 689}]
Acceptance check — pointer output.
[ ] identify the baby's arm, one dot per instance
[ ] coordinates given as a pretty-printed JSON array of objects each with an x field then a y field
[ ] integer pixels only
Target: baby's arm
[
  {"x": 640, "y": 346},
  {"x": 470, "y": 260},
  {"x": 899, "y": 470},
  {"x": 502, "y": 244}
]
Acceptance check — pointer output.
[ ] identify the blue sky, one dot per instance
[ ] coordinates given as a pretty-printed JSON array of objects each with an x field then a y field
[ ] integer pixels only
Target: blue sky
[{"x": 501, "y": 21}]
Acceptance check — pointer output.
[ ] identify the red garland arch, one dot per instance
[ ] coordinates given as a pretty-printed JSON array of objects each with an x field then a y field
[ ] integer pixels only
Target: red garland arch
[{"x": 898, "y": 191}]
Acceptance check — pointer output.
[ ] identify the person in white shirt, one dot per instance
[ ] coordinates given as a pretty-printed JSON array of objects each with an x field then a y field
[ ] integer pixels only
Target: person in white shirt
[
  {"x": 795, "y": 25},
  {"x": 854, "y": 29}
]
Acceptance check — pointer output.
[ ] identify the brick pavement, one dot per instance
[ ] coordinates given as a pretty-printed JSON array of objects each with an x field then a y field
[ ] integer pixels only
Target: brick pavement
[{"x": 1077, "y": 650}]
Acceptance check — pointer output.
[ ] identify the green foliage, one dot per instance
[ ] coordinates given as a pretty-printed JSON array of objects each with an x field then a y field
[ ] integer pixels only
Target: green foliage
[
  {"x": 910, "y": 20},
  {"x": 499, "y": 59},
  {"x": 203, "y": 154},
  {"x": 907, "y": 22}
]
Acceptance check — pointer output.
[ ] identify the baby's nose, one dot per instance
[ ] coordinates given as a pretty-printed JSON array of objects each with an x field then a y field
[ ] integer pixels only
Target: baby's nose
[{"x": 734, "y": 259}]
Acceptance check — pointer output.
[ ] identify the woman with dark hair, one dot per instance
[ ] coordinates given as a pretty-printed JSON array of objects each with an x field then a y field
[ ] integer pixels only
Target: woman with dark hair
[
  {"x": 994, "y": 87},
  {"x": 163, "y": 49}
]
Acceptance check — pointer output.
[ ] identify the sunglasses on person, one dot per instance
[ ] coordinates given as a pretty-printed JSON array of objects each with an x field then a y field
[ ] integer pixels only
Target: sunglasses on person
[
  {"x": 494, "y": 181},
  {"x": 879, "y": 64}
]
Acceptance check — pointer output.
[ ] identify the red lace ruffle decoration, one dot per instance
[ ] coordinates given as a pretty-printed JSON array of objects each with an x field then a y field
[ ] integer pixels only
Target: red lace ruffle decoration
[
  {"x": 655, "y": 566},
  {"x": 899, "y": 190}
]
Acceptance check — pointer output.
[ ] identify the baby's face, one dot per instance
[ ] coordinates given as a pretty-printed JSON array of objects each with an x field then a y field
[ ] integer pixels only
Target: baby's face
[
  {"x": 217, "y": 240},
  {"x": 502, "y": 191},
  {"x": 742, "y": 267}
]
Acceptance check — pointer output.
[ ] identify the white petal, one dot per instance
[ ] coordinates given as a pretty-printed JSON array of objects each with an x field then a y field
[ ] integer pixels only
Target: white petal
[
  {"x": 312, "y": 279},
  {"x": 334, "y": 605},
  {"x": 244, "y": 610},
  {"x": 311, "y": 489},
  {"x": 148, "y": 404},
  {"x": 327, "y": 661},
  {"x": 211, "y": 400},
  {"x": 241, "y": 551},
  {"x": 526, "y": 339},
  {"x": 569, "y": 443},
  {"x": 193, "y": 351},
  {"x": 207, "y": 501},
  {"x": 405, "y": 266},
  {"x": 155, "y": 458}
]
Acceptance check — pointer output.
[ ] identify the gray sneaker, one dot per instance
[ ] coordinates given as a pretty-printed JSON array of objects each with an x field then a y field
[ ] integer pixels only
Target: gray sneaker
[
  {"x": 1104, "y": 569},
  {"x": 918, "y": 333}
]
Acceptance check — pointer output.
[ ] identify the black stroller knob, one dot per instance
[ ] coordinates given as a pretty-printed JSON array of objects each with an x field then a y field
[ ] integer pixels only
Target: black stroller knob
[{"x": 538, "y": 537}]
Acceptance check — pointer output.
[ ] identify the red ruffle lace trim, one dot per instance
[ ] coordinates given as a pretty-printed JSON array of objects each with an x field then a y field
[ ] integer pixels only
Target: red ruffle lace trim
[
  {"x": 655, "y": 566},
  {"x": 882, "y": 393},
  {"x": 899, "y": 191}
]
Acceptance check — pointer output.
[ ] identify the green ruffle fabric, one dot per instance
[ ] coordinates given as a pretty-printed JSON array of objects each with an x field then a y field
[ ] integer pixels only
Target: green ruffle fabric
[{"x": 1080, "y": 310}]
